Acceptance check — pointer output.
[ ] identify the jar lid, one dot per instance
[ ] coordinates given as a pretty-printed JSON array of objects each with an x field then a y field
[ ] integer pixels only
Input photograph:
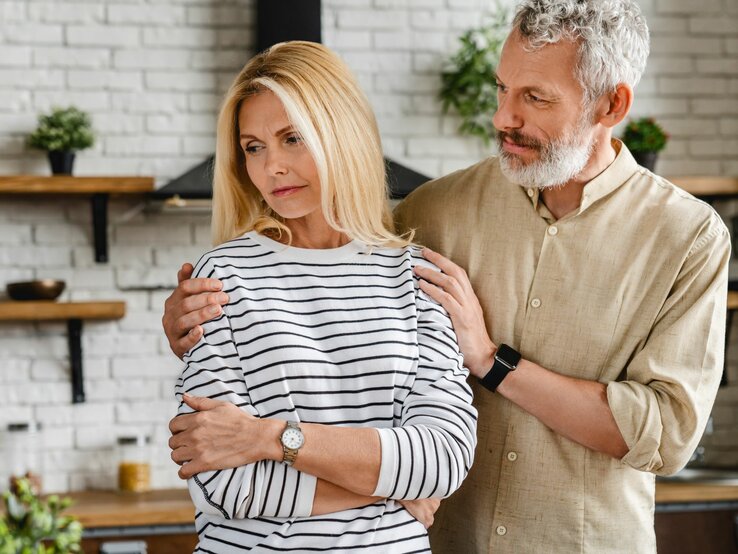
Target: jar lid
[
  {"x": 138, "y": 440},
  {"x": 24, "y": 427}
]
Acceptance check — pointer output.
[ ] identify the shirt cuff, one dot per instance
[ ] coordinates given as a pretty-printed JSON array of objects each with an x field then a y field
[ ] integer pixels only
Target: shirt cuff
[
  {"x": 388, "y": 466},
  {"x": 305, "y": 495},
  {"x": 638, "y": 417}
]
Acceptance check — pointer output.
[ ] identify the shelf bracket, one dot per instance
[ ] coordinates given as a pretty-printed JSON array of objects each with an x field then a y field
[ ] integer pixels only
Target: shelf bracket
[
  {"x": 74, "y": 335},
  {"x": 100, "y": 226}
]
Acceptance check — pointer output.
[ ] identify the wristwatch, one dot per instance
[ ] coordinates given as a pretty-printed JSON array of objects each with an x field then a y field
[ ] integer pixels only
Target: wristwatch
[
  {"x": 506, "y": 360},
  {"x": 292, "y": 440}
]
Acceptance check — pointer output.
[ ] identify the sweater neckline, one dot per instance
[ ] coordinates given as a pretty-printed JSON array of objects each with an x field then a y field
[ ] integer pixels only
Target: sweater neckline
[{"x": 311, "y": 255}]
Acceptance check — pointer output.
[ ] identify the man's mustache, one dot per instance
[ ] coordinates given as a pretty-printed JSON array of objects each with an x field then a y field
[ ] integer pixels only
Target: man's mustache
[{"x": 519, "y": 138}]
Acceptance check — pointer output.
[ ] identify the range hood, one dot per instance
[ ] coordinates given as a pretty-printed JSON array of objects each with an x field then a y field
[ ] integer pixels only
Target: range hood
[{"x": 276, "y": 22}]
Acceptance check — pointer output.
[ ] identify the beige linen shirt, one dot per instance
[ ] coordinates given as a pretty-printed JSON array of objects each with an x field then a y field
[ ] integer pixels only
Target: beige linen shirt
[{"x": 628, "y": 290}]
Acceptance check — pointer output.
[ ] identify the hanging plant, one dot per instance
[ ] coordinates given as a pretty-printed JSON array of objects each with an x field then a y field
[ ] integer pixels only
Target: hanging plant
[{"x": 468, "y": 79}]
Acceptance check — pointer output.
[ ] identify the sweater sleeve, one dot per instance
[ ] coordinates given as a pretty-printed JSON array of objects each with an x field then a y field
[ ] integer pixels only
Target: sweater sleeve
[
  {"x": 266, "y": 488},
  {"x": 430, "y": 453}
]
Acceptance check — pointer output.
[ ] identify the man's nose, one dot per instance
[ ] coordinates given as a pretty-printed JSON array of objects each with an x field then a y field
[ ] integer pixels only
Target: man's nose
[{"x": 507, "y": 115}]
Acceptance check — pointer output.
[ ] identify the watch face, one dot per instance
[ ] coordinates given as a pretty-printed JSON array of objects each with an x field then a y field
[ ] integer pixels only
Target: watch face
[{"x": 292, "y": 438}]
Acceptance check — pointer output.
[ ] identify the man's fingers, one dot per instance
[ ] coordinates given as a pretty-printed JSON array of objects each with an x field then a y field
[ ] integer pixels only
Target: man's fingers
[
  {"x": 449, "y": 303},
  {"x": 200, "y": 284}
]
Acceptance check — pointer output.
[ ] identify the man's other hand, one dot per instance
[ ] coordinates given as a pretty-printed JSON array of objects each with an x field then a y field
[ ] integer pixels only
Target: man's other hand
[{"x": 192, "y": 303}]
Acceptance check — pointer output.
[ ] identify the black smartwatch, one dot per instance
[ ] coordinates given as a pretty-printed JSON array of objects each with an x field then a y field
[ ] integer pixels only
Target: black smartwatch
[{"x": 506, "y": 360}]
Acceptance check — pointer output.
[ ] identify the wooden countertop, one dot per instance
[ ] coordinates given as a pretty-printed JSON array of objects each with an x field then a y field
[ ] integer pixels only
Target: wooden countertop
[
  {"x": 670, "y": 492},
  {"x": 114, "y": 509},
  {"x": 174, "y": 507}
]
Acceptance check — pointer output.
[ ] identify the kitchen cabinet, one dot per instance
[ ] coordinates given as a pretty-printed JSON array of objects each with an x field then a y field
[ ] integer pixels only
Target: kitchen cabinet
[{"x": 696, "y": 517}]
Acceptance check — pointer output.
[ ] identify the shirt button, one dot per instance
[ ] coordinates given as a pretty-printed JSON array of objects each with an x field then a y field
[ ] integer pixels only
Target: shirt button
[
  {"x": 530, "y": 193},
  {"x": 536, "y": 303},
  {"x": 512, "y": 456},
  {"x": 501, "y": 530},
  {"x": 553, "y": 230}
]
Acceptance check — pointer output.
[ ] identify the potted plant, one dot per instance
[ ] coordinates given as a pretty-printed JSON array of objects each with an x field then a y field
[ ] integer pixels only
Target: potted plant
[
  {"x": 468, "y": 80},
  {"x": 645, "y": 139},
  {"x": 31, "y": 525},
  {"x": 61, "y": 133}
]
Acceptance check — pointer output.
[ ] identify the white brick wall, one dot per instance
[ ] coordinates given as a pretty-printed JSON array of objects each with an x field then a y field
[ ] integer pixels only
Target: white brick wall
[{"x": 152, "y": 74}]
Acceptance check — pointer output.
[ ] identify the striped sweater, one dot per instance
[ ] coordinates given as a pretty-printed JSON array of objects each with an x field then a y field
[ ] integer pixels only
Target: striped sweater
[{"x": 341, "y": 336}]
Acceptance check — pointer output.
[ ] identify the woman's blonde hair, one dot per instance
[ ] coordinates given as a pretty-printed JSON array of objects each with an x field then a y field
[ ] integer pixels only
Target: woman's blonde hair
[{"x": 328, "y": 109}]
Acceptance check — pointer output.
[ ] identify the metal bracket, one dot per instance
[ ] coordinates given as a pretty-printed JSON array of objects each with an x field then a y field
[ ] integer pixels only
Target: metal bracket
[
  {"x": 100, "y": 226},
  {"x": 74, "y": 335}
]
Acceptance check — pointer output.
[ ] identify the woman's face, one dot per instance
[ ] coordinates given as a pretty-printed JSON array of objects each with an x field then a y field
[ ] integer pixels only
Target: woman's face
[{"x": 277, "y": 161}]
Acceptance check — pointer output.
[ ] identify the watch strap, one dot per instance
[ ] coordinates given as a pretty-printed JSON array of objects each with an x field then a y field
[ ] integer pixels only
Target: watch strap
[
  {"x": 506, "y": 360},
  {"x": 289, "y": 455}
]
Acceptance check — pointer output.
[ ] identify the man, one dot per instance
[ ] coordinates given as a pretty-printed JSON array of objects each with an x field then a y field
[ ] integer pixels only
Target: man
[{"x": 594, "y": 305}]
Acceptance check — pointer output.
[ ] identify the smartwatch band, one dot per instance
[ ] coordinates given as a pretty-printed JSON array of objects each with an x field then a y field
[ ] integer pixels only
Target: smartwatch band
[{"x": 506, "y": 360}]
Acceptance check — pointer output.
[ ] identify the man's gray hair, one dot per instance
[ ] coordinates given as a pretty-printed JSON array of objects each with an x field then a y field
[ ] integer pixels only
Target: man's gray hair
[{"x": 612, "y": 37}]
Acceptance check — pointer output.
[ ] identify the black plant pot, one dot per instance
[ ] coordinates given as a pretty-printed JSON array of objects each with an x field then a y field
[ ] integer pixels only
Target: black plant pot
[
  {"x": 646, "y": 159},
  {"x": 61, "y": 162}
]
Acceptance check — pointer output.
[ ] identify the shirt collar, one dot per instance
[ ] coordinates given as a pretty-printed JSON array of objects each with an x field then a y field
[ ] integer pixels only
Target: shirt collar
[{"x": 618, "y": 172}]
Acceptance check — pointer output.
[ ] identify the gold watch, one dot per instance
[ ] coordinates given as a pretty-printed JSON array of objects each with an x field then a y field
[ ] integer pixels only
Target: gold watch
[{"x": 292, "y": 440}]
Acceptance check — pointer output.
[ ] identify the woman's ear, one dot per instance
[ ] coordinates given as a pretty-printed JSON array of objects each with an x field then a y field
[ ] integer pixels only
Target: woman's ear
[{"x": 614, "y": 106}]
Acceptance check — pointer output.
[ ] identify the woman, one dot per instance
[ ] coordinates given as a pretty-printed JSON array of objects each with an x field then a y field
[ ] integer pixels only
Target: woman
[{"x": 331, "y": 386}]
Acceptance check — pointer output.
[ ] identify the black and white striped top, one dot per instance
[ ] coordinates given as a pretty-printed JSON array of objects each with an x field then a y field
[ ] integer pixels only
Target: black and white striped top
[{"x": 342, "y": 337}]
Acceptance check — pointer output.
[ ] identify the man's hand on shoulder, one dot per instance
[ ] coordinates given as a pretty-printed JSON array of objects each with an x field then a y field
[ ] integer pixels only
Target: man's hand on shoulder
[
  {"x": 451, "y": 288},
  {"x": 192, "y": 303}
]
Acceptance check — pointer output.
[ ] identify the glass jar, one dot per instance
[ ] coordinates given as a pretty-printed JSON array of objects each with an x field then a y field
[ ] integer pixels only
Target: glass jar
[
  {"x": 134, "y": 465},
  {"x": 22, "y": 448}
]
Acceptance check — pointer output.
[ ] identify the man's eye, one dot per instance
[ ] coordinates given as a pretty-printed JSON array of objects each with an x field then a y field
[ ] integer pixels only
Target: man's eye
[{"x": 536, "y": 99}]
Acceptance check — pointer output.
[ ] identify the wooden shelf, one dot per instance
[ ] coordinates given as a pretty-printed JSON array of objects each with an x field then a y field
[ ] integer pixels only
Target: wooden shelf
[
  {"x": 707, "y": 186},
  {"x": 68, "y": 184},
  {"x": 71, "y": 312},
  {"x": 100, "y": 188},
  {"x": 49, "y": 310}
]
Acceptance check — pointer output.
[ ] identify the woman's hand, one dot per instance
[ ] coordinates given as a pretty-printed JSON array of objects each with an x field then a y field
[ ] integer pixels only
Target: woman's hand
[
  {"x": 423, "y": 509},
  {"x": 192, "y": 303},
  {"x": 219, "y": 435},
  {"x": 452, "y": 289}
]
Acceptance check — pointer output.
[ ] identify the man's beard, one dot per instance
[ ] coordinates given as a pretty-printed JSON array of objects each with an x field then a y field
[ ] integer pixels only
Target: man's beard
[{"x": 559, "y": 160}]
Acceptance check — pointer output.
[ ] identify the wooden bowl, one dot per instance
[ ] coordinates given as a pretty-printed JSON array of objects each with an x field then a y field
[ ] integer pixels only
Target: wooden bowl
[{"x": 43, "y": 289}]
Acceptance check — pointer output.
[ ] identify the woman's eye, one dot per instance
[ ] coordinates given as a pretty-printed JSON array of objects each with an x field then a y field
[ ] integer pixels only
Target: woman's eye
[
  {"x": 293, "y": 139},
  {"x": 252, "y": 149}
]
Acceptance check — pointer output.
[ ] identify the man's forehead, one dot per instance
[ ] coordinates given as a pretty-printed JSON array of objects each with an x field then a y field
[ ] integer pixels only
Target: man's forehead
[{"x": 552, "y": 65}]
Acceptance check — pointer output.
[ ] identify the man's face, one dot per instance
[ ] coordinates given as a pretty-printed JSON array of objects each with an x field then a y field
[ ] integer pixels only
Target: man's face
[{"x": 545, "y": 135}]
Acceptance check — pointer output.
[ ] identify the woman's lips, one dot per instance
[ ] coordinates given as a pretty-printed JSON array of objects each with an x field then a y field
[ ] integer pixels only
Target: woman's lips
[{"x": 281, "y": 192}]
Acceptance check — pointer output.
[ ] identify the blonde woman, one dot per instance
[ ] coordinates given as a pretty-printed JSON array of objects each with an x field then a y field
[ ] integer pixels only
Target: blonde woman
[{"x": 330, "y": 390}]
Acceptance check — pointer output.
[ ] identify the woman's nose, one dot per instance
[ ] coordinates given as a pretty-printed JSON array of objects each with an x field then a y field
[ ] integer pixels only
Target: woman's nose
[{"x": 276, "y": 162}]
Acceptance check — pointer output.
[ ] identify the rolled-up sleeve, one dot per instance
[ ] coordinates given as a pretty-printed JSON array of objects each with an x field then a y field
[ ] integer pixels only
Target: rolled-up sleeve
[{"x": 662, "y": 405}]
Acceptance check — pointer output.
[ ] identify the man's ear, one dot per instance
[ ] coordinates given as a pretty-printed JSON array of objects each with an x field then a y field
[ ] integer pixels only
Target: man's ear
[{"x": 614, "y": 106}]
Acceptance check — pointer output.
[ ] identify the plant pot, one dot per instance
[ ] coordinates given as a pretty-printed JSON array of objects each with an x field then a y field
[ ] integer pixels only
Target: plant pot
[
  {"x": 61, "y": 162},
  {"x": 646, "y": 159}
]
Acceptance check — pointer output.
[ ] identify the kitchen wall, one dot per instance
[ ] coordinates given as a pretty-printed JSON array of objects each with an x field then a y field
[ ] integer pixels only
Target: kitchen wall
[{"x": 151, "y": 73}]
